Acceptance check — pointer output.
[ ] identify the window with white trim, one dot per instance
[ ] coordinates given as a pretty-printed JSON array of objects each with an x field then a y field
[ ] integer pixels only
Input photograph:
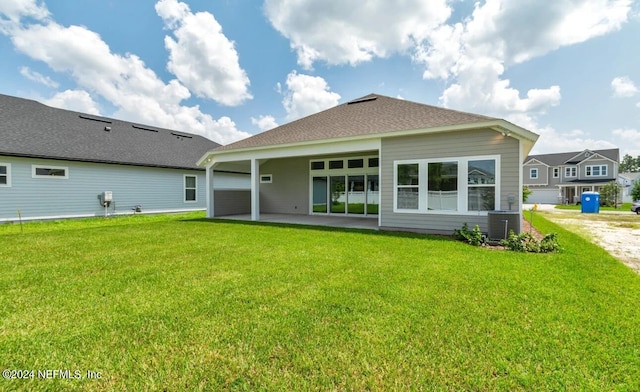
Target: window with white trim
[
  {"x": 596, "y": 171},
  {"x": 38, "y": 171},
  {"x": 481, "y": 185},
  {"x": 570, "y": 171},
  {"x": 5, "y": 174},
  {"x": 533, "y": 173},
  {"x": 556, "y": 172},
  {"x": 190, "y": 188},
  {"x": 444, "y": 185},
  {"x": 266, "y": 178},
  {"x": 408, "y": 186}
]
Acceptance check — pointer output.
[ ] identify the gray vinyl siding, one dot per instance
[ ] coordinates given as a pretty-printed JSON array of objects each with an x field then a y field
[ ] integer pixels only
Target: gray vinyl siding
[
  {"x": 543, "y": 174},
  {"x": 154, "y": 189},
  {"x": 448, "y": 145},
  {"x": 288, "y": 193},
  {"x": 582, "y": 169},
  {"x": 554, "y": 181}
]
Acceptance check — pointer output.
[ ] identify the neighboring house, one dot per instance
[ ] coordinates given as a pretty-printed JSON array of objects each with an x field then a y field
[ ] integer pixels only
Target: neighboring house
[
  {"x": 562, "y": 178},
  {"x": 410, "y": 166},
  {"x": 58, "y": 163},
  {"x": 627, "y": 181}
]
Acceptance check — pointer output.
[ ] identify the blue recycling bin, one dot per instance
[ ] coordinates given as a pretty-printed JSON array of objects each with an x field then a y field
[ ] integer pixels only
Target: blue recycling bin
[{"x": 590, "y": 202}]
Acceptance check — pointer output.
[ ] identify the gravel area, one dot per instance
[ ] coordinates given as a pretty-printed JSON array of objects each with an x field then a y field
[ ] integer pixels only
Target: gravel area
[{"x": 616, "y": 232}]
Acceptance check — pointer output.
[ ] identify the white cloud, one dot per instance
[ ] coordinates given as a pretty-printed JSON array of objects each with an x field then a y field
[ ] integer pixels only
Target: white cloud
[
  {"x": 349, "y": 32},
  {"x": 38, "y": 77},
  {"x": 14, "y": 10},
  {"x": 478, "y": 88},
  {"x": 623, "y": 87},
  {"x": 552, "y": 141},
  {"x": 76, "y": 100},
  {"x": 201, "y": 56},
  {"x": 307, "y": 95},
  {"x": 472, "y": 55},
  {"x": 630, "y": 139},
  {"x": 264, "y": 122},
  {"x": 123, "y": 80}
]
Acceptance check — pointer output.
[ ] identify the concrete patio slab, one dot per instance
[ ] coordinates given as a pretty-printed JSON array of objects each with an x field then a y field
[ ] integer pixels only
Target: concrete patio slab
[{"x": 351, "y": 222}]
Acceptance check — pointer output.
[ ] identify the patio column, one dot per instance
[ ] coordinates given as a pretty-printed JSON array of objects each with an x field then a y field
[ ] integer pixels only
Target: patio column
[
  {"x": 210, "y": 191},
  {"x": 255, "y": 189}
]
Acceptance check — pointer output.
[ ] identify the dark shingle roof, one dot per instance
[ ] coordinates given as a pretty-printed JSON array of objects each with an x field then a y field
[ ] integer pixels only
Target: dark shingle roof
[
  {"x": 371, "y": 114},
  {"x": 31, "y": 129},
  {"x": 567, "y": 158}
]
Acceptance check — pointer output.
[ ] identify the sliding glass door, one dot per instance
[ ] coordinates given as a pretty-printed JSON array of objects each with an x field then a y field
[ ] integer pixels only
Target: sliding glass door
[
  {"x": 319, "y": 194},
  {"x": 338, "y": 198},
  {"x": 345, "y": 186}
]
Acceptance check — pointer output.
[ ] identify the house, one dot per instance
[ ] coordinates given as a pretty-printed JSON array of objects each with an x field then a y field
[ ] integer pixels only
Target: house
[
  {"x": 562, "y": 177},
  {"x": 627, "y": 181},
  {"x": 58, "y": 163},
  {"x": 407, "y": 165}
]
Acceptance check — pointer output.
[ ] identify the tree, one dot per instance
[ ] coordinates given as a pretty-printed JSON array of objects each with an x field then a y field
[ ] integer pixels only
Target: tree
[
  {"x": 635, "y": 191},
  {"x": 610, "y": 193},
  {"x": 629, "y": 164},
  {"x": 526, "y": 192}
]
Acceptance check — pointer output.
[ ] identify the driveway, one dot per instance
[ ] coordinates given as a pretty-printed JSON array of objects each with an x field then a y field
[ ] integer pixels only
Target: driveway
[{"x": 618, "y": 232}]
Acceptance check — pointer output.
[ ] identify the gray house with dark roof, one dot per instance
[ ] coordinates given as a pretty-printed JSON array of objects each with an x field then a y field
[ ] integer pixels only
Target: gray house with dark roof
[
  {"x": 407, "y": 165},
  {"x": 57, "y": 163},
  {"x": 561, "y": 178}
]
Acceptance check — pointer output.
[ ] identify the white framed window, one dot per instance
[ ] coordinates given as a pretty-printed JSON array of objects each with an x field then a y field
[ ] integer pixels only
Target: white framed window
[
  {"x": 461, "y": 185},
  {"x": 556, "y": 172},
  {"x": 5, "y": 175},
  {"x": 533, "y": 173},
  {"x": 570, "y": 171},
  {"x": 596, "y": 171},
  {"x": 43, "y": 171},
  {"x": 481, "y": 185},
  {"x": 190, "y": 188},
  {"x": 266, "y": 178},
  {"x": 353, "y": 164},
  {"x": 408, "y": 186}
]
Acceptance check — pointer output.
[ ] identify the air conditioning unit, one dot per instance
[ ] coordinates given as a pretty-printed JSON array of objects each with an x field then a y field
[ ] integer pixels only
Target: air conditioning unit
[{"x": 502, "y": 222}]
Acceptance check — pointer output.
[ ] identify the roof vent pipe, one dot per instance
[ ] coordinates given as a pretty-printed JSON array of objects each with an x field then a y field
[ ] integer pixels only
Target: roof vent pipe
[{"x": 108, "y": 129}]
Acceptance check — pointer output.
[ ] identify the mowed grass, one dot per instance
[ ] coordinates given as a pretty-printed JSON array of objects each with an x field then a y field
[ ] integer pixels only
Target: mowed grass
[{"x": 181, "y": 303}]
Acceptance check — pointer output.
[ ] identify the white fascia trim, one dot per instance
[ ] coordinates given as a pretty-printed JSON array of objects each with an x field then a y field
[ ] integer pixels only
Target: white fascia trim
[
  {"x": 327, "y": 147},
  {"x": 534, "y": 161},
  {"x": 597, "y": 156},
  {"x": 313, "y": 147}
]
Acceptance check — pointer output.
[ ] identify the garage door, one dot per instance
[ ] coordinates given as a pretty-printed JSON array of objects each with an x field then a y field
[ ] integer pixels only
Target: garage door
[{"x": 543, "y": 196}]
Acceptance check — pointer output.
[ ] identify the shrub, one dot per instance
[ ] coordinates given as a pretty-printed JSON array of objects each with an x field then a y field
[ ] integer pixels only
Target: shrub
[
  {"x": 527, "y": 242},
  {"x": 526, "y": 192},
  {"x": 473, "y": 237}
]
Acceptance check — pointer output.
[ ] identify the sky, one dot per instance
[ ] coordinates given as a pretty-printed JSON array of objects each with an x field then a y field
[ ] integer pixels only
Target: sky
[{"x": 568, "y": 70}]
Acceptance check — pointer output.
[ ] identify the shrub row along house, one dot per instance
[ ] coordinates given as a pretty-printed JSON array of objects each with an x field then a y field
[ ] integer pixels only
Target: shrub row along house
[
  {"x": 58, "y": 163},
  {"x": 408, "y": 165},
  {"x": 562, "y": 178},
  {"x": 404, "y": 165}
]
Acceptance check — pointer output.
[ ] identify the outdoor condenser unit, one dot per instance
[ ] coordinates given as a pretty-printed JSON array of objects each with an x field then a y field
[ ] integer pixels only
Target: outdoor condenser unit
[{"x": 501, "y": 223}]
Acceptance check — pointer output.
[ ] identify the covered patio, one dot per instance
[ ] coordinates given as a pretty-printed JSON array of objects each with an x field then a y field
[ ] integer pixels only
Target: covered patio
[{"x": 348, "y": 222}]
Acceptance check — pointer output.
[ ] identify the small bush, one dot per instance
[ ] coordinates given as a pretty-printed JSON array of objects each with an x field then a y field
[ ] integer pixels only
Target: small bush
[
  {"x": 527, "y": 242},
  {"x": 473, "y": 237}
]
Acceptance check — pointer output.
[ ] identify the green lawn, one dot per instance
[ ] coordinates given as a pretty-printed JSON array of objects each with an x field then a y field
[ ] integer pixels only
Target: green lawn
[
  {"x": 182, "y": 303},
  {"x": 620, "y": 207}
]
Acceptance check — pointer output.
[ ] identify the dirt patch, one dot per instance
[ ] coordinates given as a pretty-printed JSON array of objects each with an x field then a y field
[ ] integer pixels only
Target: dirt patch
[
  {"x": 527, "y": 228},
  {"x": 616, "y": 233}
]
